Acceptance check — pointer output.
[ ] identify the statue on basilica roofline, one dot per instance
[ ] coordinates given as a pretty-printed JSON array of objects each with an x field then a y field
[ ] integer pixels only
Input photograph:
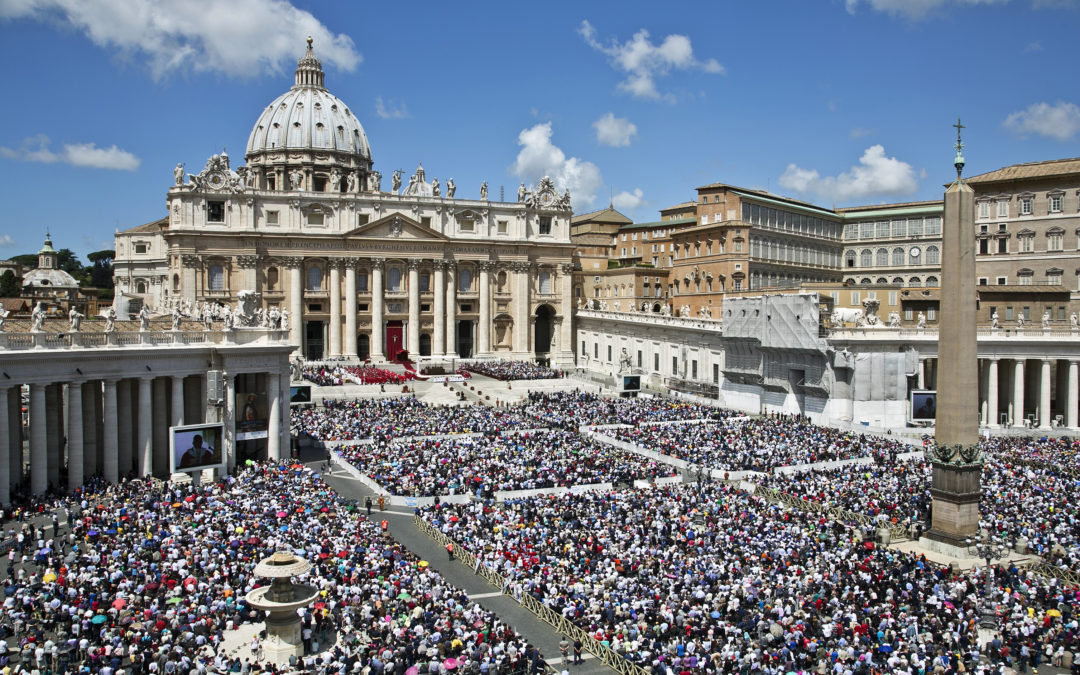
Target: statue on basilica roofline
[
  {"x": 37, "y": 318},
  {"x": 522, "y": 193},
  {"x": 178, "y": 173},
  {"x": 75, "y": 319},
  {"x": 3, "y": 317},
  {"x": 110, "y": 319},
  {"x": 352, "y": 181},
  {"x": 395, "y": 181},
  {"x": 376, "y": 181},
  {"x": 436, "y": 191},
  {"x": 483, "y": 191},
  {"x": 450, "y": 188},
  {"x": 144, "y": 319}
]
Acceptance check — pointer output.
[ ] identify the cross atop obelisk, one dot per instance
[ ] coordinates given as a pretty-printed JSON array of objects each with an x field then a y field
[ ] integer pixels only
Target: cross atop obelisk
[{"x": 958, "y": 161}]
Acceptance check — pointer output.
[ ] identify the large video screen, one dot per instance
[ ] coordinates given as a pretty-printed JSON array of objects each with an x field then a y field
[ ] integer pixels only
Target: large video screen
[
  {"x": 631, "y": 383},
  {"x": 923, "y": 406},
  {"x": 194, "y": 447},
  {"x": 300, "y": 393}
]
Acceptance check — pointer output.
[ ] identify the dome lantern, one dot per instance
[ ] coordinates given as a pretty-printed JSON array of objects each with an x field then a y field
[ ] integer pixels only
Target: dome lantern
[{"x": 309, "y": 72}]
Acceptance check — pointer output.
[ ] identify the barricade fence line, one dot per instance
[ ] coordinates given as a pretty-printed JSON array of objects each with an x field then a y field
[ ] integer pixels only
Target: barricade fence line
[{"x": 546, "y": 614}]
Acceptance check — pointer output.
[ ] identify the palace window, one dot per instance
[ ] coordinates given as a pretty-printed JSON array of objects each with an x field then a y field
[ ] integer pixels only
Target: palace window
[
  {"x": 465, "y": 280},
  {"x": 933, "y": 255},
  {"x": 914, "y": 227},
  {"x": 1055, "y": 203},
  {"x": 502, "y": 227},
  {"x": 1053, "y": 276},
  {"x": 866, "y": 258},
  {"x": 1027, "y": 206},
  {"x": 545, "y": 224},
  {"x": 140, "y": 248},
  {"x": 545, "y": 282},
  {"x": 984, "y": 209},
  {"x": 361, "y": 282},
  {"x": 849, "y": 259},
  {"x": 314, "y": 278},
  {"x": 898, "y": 256},
  {"x": 1027, "y": 241},
  {"x": 272, "y": 276},
  {"x": 1055, "y": 239},
  {"x": 882, "y": 257},
  {"x": 393, "y": 280},
  {"x": 216, "y": 280},
  {"x": 271, "y": 217},
  {"x": 316, "y": 218},
  {"x": 1003, "y": 209}
]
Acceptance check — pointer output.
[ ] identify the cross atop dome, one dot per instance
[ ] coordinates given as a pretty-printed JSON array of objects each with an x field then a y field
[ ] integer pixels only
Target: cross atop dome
[{"x": 309, "y": 72}]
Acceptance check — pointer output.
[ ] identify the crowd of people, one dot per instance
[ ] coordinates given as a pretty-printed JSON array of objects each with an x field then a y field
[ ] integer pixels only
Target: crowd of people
[
  {"x": 739, "y": 443},
  {"x": 328, "y": 376},
  {"x": 574, "y": 409},
  {"x": 351, "y": 420},
  {"x": 148, "y": 578},
  {"x": 482, "y": 465},
  {"x": 710, "y": 578},
  {"x": 510, "y": 370}
]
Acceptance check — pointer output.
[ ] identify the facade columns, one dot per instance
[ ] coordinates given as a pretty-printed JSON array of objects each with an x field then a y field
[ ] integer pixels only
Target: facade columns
[
  {"x": 159, "y": 415},
  {"x": 89, "y": 430},
  {"x": 110, "y": 456},
  {"x": 414, "y": 309},
  {"x": 1044, "y": 395},
  {"x": 451, "y": 309},
  {"x": 522, "y": 304},
  {"x": 177, "y": 417},
  {"x": 335, "y": 307},
  {"x": 5, "y": 449},
  {"x": 273, "y": 429},
  {"x": 378, "y": 329},
  {"x": 143, "y": 439},
  {"x": 485, "y": 307},
  {"x": 438, "y": 341},
  {"x": 15, "y": 434},
  {"x": 992, "y": 393},
  {"x": 296, "y": 302},
  {"x": 350, "y": 308},
  {"x": 920, "y": 382},
  {"x": 75, "y": 436},
  {"x": 123, "y": 423},
  {"x": 1018, "y": 393},
  {"x": 565, "y": 332},
  {"x": 39, "y": 481}
]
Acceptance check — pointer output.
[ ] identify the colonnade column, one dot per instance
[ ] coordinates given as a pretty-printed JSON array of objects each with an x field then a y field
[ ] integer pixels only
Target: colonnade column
[
  {"x": 522, "y": 305},
  {"x": 75, "y": 436},
  {"x": 53, "y": 432},
  {"x": 451, "y": 309},
  {"x": 1018, "y": 393},
  {"x": 1072, "y": 396},
  {"x": 123, "y": 422},
  {"x": 438, "y": 342},
  {"x": 273, "y": 429},
  {"x": 5, "y": 450},
  {"x": 110, "y": 456},
  {"x": 296, "y": 302},
  {"x": 143, "y": 439},
  {"x": 1044, "y": 395},
  {"x": 378, "y": 330},
  {"x": 920, "y": 382},
  {"x": 89, "y": 430},
  {"x": 39, "y": 481},
  {"x": 485, "y": 307},
  {"x": 414, "y": 309},
  {"x": 15, "y": 433},
  {"x": 992, "y": 393},
  {"x": 177, "y": 417},
  {"x": 350, "y": 308},
  {"x": 159, "y": 416},
  {"x": 335, "y": 306}
]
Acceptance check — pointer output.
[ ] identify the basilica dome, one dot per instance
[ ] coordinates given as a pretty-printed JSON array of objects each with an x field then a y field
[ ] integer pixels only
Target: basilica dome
[{"x": 308, "y": 119}]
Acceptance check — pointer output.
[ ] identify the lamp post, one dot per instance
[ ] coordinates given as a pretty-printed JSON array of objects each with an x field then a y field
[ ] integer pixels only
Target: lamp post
[{"x": 987, "y": 548}]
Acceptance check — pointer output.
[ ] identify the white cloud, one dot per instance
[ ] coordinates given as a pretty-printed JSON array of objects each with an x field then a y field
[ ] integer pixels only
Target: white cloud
[
  {"x": 1034, "y": 47},
  {"x": 388, "y": 111},
  {"x": 644, "y": 62},
  {"x": 6, "y": 241},
  {"x": 614, "y": 131},
  {"x": 628, "y": 201},
  {"x": 538, "y": 157},
  {"x": 859, "y": 132},
  {"x": 914, "y": 9},
  {"x": 875, "y": 176},
  {"x": 237, "y": 38},
  {"x": 1060, "y": 121},
  {"x": 86, "y": 155}
]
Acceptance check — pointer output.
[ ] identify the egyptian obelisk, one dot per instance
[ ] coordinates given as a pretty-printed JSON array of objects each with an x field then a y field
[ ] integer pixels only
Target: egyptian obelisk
[{"x": 957, "y": 463}]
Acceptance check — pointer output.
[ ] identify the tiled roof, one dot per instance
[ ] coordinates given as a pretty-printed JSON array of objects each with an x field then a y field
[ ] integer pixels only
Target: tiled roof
[
  {"x": 155, "y": 226},
  {"x": 1053, "y": 167}
]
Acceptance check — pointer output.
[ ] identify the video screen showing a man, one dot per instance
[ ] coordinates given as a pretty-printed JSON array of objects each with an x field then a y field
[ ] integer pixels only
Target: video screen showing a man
[{"x": 197, "y": 448}]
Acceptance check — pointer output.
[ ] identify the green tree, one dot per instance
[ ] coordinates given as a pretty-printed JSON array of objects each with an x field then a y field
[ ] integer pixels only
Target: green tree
[
  {"x": 9, "y": 285},
  {"x": 27, "y": 260},
  {"x": 101, "y": 272}
]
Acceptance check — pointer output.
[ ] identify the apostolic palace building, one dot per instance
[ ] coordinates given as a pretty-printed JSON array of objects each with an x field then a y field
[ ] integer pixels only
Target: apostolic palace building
[{"x": 357, "y": 270}]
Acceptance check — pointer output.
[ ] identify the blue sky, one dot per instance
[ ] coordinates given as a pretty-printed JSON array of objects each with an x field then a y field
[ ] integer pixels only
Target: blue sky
[{"x": 833, "y": 101}]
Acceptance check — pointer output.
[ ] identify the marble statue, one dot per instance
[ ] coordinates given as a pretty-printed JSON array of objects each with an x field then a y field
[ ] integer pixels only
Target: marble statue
[
  {"x": 275, "y": 318},
  {"x": 994, "y": 320},
  {"x": 395, "y": 181},
  {"x": 296, "y": 368},
  {"x": 580, "y": 303},
  {"x": 522, "y": 192},
  {"x": 245, "y": 314},
  {"x": 144, "y": 318},
  {"x": 645, "y": 306},
  {"x": 110, "y": 319},
  {"x": 228, "y": 319},
  {"x": 284, "y": 319},
  {"x": 1019, "y": 321},
  {"x": 295, "y": 179},
  {"x": 207, "y": 317},
  {"x": 3, "y": 317},
  {"x": 335, "y": 179},
  {"x": 483, "y": 191},
  {"x": 625, "y": 365},
  {"x": 351, "y": 182},
  {"x": 603, "y": 305},
  {"x": 436, "y": 191},
  {"x": 75, "y": 319},
  {"x": 684, "y": 311},
  {"x": 177, "y": 317},
  {"x": 375, "y": 181},
  {"x": 1046, "y": 320},
  {"x": 37, "y": 318},
  {"x": 665, "y": 310},
  {"x": 921, "y": 323},
  {"x": 1073, "y": 321},
  {"x": 450, "y": 188},
  {"x": 178, "y": 174},
  {"x": 894, "y": 319},
  {"x": 631, "y": 307}
]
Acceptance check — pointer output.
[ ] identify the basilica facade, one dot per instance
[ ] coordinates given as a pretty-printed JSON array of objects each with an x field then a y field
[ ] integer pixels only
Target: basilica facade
[{"x": 357, "y": 271}]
